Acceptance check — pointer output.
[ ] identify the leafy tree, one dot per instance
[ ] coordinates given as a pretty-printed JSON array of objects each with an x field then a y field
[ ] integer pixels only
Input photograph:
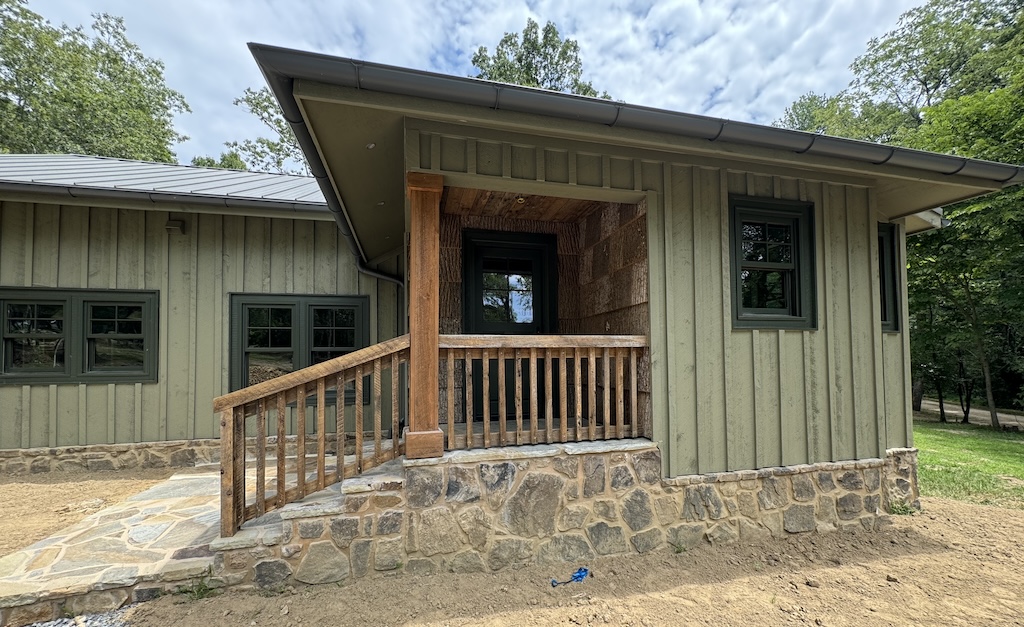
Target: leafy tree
[
  {"x": 278, "y": 153},
  {"x": 65, "y": 90},
  {"x": 536, "y": 59},
  {"x": 228, "y": 160}
]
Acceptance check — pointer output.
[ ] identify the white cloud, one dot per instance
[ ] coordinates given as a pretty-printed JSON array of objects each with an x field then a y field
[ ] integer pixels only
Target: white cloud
[{"x": 738, "y": 59}]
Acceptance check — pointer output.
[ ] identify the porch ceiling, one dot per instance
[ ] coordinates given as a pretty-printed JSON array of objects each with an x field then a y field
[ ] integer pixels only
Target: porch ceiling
[{"x": 479, "y": 202}]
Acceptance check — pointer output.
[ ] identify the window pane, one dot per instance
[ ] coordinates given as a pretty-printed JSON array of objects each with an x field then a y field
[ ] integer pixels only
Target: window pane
[
  {"x": 345, "y": 338},
  {"x": 755, "y": 252},
  {"x": 129, "y": 312},
  {"x": 259, "y": 317},
  {"x": 281, "y": 317},
  {"x": 522, "y": 306},
  {"x": 20, "y": 311},
  {"x": 780, "y": 253},
  {"x": 259, "y": 338},
  {"x": 280, "y": 338},
  {"x": 31, "y": 318},
  {"x": 495, "y": 281},
  {"x": 36, "y": 354},
  {"x": 753, "y": 231},
  {"x": 323, "y": 337},
  {"x": 104, "y": 326},
  {"x": 344, "y": 317},
  {"x": 104, "y": 312},
  {"x": 130, "y": 327},
  {"x": 764, "y": 289},
  {"x": 780, "y": 233},
  {"x": 321, "y": 356},
  {"x": 266, "y": 366},
  {"x": 520, "y": 282},
  {"x": 496, "y": 306},
  {"x": 117, "y": 354},
  {"x": 322, "y": 317}
]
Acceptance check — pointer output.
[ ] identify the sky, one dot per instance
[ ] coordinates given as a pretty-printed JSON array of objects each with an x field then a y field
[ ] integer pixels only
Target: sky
[{"x": 743, "y": 60}]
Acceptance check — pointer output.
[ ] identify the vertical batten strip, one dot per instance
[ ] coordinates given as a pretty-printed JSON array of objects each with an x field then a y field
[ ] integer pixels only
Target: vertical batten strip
[
  {"x": 321, "y": 434},
  {"x": 533, "y": 396},
  {"x": 261, "y": 457}
]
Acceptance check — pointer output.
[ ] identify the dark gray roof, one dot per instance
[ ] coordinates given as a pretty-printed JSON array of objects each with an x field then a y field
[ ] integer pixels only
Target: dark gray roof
[{"x": 81, "y": 176}]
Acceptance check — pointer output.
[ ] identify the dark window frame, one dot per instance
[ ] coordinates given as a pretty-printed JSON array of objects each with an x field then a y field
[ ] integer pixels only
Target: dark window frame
[
  {"x": 77, "y": 341},
  {"x": 890, "y": 306},
  {"x": 302, "y": 344},
  {"x": 800, "y": 273}
]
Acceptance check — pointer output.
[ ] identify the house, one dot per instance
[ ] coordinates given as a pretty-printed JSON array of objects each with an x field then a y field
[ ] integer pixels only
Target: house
[{"x": 587, "y": 327}]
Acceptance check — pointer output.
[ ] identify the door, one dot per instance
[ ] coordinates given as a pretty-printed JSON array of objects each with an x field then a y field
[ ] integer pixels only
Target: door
[{"x": 510, "y": 288}]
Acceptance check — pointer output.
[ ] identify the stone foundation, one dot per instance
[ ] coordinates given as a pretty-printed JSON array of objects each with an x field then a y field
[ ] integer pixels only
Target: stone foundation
[{"x": 488, "y": 510}]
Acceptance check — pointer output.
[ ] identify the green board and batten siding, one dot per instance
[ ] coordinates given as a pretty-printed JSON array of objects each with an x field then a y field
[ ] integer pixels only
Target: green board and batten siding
[
  {"x": 46, "y": 245},
  {"x": 723, "y": 399}
]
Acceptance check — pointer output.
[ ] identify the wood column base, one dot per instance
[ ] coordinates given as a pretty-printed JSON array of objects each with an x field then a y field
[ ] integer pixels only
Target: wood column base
[{"x": 423, "y": 444}]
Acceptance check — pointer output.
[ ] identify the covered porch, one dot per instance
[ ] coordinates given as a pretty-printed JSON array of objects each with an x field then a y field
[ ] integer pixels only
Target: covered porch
[{"x": 528, "y": 324}]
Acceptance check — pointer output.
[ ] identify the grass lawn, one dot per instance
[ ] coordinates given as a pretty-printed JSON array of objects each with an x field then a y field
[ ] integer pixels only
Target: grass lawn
[{"x": 970, "y": 463}]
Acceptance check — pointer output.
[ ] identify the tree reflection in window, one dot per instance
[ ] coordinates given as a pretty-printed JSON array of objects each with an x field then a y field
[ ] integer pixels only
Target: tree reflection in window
[{"x": 508, "y": 290}]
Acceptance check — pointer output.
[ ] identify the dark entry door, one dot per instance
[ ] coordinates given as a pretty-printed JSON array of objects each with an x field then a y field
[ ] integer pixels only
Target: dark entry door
[{"x": 511, "y": 288}]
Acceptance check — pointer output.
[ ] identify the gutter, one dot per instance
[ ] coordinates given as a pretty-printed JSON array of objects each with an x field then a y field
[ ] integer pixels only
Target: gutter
[{"x": 282, "y": 66}]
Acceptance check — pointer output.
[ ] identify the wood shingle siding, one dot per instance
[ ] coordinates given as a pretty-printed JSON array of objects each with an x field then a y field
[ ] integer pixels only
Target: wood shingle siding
[{"x": 48, "y": 245}]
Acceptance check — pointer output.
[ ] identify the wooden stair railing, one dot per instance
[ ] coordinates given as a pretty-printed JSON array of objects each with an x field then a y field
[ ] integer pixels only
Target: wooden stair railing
[
  {"x": 550, "y": 388},
  {"x": 313, "y": 390}
]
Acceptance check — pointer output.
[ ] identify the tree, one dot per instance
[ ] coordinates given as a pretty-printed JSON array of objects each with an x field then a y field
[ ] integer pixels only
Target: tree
[
  {"x": 228, "y": 160},
  {"x": 63, "y": 90},
  {"x": 536, "y": 59},
  {"x": 278, "y": 153}
]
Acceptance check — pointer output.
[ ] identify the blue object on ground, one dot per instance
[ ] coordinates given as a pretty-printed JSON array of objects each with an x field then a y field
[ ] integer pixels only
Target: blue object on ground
[{"x": 577, "y": 576}]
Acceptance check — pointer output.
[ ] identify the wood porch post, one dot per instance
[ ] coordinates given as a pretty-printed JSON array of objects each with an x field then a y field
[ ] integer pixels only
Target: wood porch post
[{"x": 423, "y": 438}]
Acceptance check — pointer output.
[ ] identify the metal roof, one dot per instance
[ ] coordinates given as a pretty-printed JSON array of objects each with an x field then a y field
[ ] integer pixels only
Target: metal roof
[{"x": 80, "y": 176}]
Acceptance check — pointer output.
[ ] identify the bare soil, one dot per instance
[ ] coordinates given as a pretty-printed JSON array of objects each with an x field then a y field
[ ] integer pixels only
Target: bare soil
[
  {"x": 954, "y": 564},
  {"x": 36, "y": 506}
]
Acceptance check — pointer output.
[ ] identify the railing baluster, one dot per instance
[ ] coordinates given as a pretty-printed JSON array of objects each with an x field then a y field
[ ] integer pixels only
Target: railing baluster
[
  {"x": 563, "y": 400},
  {"x": 534, "y": 418},
  {"x": 487, "y": 397},
  {"x": 519, "y": 395},
  {"x": 395, "y": 431},
  {"x": 607, "y": 408},
  {"x": 230, "y": 519},
  {"x": 578, "y": 376},
  {"x": 592, "y": 392},
  {"x": 261, "y": 457},
  {"x": 359, "y": 419},
  {"x": 339, "y": 425},
  {"x": 633, "y": 391},
  {"x": 376, "y": 413},
  {"x": 467, "y": 358},
  {"x": 619, "y": 395},
  {"x": 450, "y": 359},
  {"x": 549, "y": 394},
  {"x": 321, "y": 434},
  {"x": 300, "y": 440},
  {"x": 502, "y": 401},
  {"x": 282, "y": 453}
]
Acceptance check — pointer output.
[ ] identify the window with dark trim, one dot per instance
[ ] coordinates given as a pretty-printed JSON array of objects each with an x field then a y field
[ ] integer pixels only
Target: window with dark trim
[
  {"x": 86, "y": 336},
  {"x": 888, "y": 277},
  {"x": 772, "y": 247},
  {"x": 274, "y": 334}
]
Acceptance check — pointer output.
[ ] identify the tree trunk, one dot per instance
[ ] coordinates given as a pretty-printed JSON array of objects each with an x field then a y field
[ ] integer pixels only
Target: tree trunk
[
  {"x": 989, "y": 397},
  {"x": 942, "y": 403},
  {"x": 918, "y": 394}
]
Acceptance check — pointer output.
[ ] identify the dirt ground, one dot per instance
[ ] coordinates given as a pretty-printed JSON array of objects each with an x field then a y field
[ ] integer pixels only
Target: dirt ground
[
  {"x": 35, "y": 506},
  {"x": 954, "y": 564}
]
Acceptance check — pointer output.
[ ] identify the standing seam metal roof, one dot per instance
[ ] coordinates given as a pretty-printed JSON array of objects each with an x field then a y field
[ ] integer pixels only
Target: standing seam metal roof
[{"x": 161, "y": 181}]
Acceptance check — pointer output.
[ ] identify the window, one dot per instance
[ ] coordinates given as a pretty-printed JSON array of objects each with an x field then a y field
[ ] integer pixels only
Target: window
[
  {"x": 772, "y": 264},
  {"x": 888, "y": 279},
  {"x": 273, "y": 335},
  {"x": 64, "y": 336}
]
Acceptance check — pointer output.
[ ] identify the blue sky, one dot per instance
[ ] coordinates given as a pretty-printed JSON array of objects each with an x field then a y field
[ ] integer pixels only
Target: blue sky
[{"x": 737, "y": 59}]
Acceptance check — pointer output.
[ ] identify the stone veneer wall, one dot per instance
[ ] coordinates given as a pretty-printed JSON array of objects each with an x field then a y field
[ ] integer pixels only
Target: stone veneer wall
[{"x": 487, "y": 510}]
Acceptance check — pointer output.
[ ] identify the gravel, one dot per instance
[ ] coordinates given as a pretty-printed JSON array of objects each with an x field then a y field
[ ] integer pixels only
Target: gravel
[{"x": 114, "y": 618}]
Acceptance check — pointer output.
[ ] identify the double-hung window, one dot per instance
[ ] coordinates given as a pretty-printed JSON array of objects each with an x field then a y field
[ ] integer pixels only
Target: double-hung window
[
  {"x": 888, "y": 273},
  {"x": 273, "y": 335},
  {"x": 772, "y": 246},
  {"x": 65, "y": 336}
]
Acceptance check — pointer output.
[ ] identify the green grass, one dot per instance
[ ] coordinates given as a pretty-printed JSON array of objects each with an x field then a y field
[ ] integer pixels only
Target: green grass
[{"x": 970, "y": 463}]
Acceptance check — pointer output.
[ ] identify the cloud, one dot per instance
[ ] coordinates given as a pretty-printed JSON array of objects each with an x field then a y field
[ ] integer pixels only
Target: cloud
[{"x": 739, "y": 59}]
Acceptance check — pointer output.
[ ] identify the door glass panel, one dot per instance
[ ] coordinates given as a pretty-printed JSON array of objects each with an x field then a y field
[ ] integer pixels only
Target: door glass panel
[
  {"x": 508, "y": 290},
  {"x": 262, "y": 366}
]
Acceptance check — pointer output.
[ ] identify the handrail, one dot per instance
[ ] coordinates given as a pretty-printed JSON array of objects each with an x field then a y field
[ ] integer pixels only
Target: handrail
[
  {"x": 286, "y": 382},
  {"x": 542, "y": 341}
]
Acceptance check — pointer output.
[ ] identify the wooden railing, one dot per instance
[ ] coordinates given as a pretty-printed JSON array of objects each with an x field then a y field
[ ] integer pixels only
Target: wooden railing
[
  {"x": 328, "y": 392},
  {"x": 550, "y": 388}
]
